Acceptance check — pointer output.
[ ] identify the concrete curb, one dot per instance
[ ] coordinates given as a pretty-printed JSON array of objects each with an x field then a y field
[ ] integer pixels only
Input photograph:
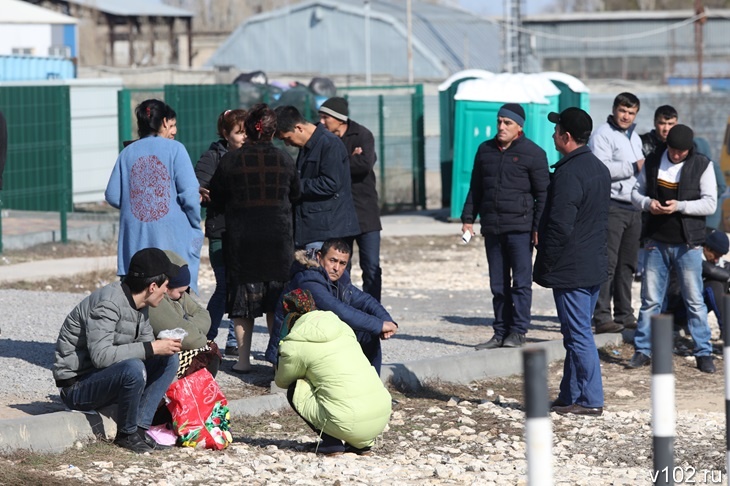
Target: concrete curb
[
  {"x": 476, "y": 365},
  {"x": 58, "y": 431}
]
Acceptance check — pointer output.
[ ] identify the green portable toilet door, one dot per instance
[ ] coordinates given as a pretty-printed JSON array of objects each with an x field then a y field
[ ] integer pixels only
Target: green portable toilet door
[
  {"x": 475, "y": 122},
  {"x": 539, "y": 129}
]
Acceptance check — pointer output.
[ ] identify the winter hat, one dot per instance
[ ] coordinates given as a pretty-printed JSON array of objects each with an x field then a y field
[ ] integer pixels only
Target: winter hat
[
  {"x": 574, "y": 121},
  {"x": 335, "y": 107},
  {"x": 514, "y": 112},
  {"x": 151, "y": 262},
  {"x": 680, "y": 137},
  {"x": 717, "y": 241},
  {"x": 182, "y": 279}
]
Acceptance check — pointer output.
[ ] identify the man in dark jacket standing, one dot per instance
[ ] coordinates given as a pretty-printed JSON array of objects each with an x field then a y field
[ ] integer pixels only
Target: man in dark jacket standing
[
  {"x": 325, "y": 209},
  {"x": 677, "y": 188},
  {"x": 360, "y": 144},
  {"x": 572, "y": 257},
  {"x": 508, "y": 188}
]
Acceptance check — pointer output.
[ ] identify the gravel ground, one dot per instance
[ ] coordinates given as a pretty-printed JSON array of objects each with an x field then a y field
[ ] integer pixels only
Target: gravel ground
[
  {"x": 435, "y": 289},
  {"x": 438, "y": 292}
]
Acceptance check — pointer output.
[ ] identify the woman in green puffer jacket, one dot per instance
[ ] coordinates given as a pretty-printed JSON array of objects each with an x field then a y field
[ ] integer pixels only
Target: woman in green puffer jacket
[{"x": 330, "y": 382}]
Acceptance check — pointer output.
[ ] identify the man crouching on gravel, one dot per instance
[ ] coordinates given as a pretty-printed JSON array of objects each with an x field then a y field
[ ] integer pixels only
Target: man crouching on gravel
[
  {"x": 106, "y": 352},
  {"x": 329, "y": 282}
]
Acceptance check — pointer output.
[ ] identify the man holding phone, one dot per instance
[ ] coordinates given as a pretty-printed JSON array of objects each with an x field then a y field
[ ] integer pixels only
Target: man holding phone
[
  {"x": 106, "y": 352},
  {"x": 677, "y": 188}
]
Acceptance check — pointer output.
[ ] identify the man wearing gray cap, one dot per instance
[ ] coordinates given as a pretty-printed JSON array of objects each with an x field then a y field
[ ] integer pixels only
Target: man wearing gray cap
[
  {"x": 572, "y": 257},
  {"x": 677, "y": 188},
  {"x": 507, "y": 191}
]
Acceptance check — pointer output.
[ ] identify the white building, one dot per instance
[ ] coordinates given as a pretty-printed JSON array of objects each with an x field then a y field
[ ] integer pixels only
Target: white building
[{"x": 29, "y": 30}]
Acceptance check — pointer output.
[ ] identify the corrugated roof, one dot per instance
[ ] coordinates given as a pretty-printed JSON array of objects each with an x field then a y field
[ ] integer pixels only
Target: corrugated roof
[
  {"x": 18, "y": 12},
  {"x": 133, "y": 8},
  {"x": 445, "y": 40}
]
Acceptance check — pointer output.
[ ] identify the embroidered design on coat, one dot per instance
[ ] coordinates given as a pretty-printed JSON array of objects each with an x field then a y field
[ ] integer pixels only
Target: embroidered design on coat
[{"x": 149, "y": 189}]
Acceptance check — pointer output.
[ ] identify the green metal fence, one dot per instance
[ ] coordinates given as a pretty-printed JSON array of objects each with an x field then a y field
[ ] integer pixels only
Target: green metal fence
[
  {"x": 37, "y": 175},
  {"x": 393, "y": 113},
  {"x": 198, "y": 108},
  {"x": 127, "y": 100},
  {"x": 395, "y": 116}
]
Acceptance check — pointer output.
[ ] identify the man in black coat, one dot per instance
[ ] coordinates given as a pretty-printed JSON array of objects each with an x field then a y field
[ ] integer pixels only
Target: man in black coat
[
  {"x": 572, "y": 257},
  {"x": 325, "y": 209},
  {"x": 508, "y": 187},
  {"x": 360, "y": 144}
]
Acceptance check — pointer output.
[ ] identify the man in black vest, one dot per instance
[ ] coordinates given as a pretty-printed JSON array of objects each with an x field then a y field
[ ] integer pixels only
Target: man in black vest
[{"x": 677, "y": 188}]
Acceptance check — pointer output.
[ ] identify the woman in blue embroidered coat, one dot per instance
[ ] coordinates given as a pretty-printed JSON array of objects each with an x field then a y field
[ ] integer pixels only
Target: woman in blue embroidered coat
[{"x": 153, "y": 185}]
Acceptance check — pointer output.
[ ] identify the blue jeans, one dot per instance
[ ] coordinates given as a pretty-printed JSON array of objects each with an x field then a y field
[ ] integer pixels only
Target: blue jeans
[
  {"x": 509, "y": 256},
  {"x": 581, "y": 383},
  {"x": 368, "y": 245},
  {"x": 136, "y": 386},
  {"x": 687, "y": 261},
  {"x": 217, "y": 302}
]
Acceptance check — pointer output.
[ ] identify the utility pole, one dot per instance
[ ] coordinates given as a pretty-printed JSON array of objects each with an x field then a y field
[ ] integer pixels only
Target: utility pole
[
  {"x": 409, "y": 40},
  {"x": 512, "y": 62},
  {"x": 699, "y": 26}
]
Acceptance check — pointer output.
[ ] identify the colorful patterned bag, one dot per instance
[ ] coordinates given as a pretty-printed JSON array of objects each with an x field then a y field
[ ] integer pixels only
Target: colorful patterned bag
[{"x": 199, "y": 411}]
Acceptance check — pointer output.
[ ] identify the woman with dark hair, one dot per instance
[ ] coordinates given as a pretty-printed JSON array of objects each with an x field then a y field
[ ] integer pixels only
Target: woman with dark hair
[
  {"x": 232, "y": 136},
  {"x": 154, "y": 187},
  {"x": 254, "y": 188}
]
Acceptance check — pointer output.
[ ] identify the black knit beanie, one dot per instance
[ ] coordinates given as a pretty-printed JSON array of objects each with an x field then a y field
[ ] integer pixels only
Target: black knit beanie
[
  {"x": 680, "y": 137},
  {"x": 335, "y": 107}
]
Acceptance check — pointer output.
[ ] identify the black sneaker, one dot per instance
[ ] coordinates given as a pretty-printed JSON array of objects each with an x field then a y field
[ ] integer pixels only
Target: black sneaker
[
  {"x": 134, "y": 443},
  {"x": 365, "y": 451},
  {"x": 150, "y": 441},
  {"x": 514, "y": 340},
  {"x": 495, "y": 342},
  {"x": 705, "y": 364},
  {"x": 608, "y": 327},
  {"x": 638, "y": 360},
  {"x": 231, "y": 351}
]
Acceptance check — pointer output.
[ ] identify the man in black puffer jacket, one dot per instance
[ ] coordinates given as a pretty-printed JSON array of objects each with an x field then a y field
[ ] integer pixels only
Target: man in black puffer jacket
[{"x": 508, "y": 189}]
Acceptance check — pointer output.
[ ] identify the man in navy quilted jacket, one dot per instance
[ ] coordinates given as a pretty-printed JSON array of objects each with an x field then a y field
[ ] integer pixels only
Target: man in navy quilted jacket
[{"x": 508, "y": 190}]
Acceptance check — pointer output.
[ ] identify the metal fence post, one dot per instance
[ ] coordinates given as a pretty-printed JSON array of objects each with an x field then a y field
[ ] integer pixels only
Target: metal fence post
[
  {"x": 662, "y": 398},
  {"x": 419, "y": 150},
  {"x": 381, "y": 146}
]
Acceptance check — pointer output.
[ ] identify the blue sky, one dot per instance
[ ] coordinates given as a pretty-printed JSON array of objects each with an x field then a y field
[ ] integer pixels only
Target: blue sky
[{"x": 494, "y": 7}]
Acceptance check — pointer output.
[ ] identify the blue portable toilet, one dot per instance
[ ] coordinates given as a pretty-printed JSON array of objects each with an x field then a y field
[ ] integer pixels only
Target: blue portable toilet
[
  {"x": 447, "y": 109},
  {"x": 477, "y": 103}
]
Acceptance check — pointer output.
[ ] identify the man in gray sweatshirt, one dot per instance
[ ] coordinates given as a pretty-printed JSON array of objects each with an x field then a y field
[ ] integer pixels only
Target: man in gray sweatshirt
[{"x": 618, "y": 146}]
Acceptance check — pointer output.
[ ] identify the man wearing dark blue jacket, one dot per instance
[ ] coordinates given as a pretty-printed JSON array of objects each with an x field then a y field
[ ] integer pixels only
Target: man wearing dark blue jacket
[
  {"x": 326, "y": 209},
  {"x": 329, "y": 282},
  {"x": 572, "y": 257},
  {"x": 508, "y": 187}
]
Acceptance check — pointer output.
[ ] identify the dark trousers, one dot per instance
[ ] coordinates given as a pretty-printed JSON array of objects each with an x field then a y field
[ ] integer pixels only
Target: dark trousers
[
  {"x": 368, "y": 245},
  {"x": 136, "y": 386},
  {"x": 370, "y": 345},
  {"x": 509, "y": 257},
  {"x": 624, "y": 232}
]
